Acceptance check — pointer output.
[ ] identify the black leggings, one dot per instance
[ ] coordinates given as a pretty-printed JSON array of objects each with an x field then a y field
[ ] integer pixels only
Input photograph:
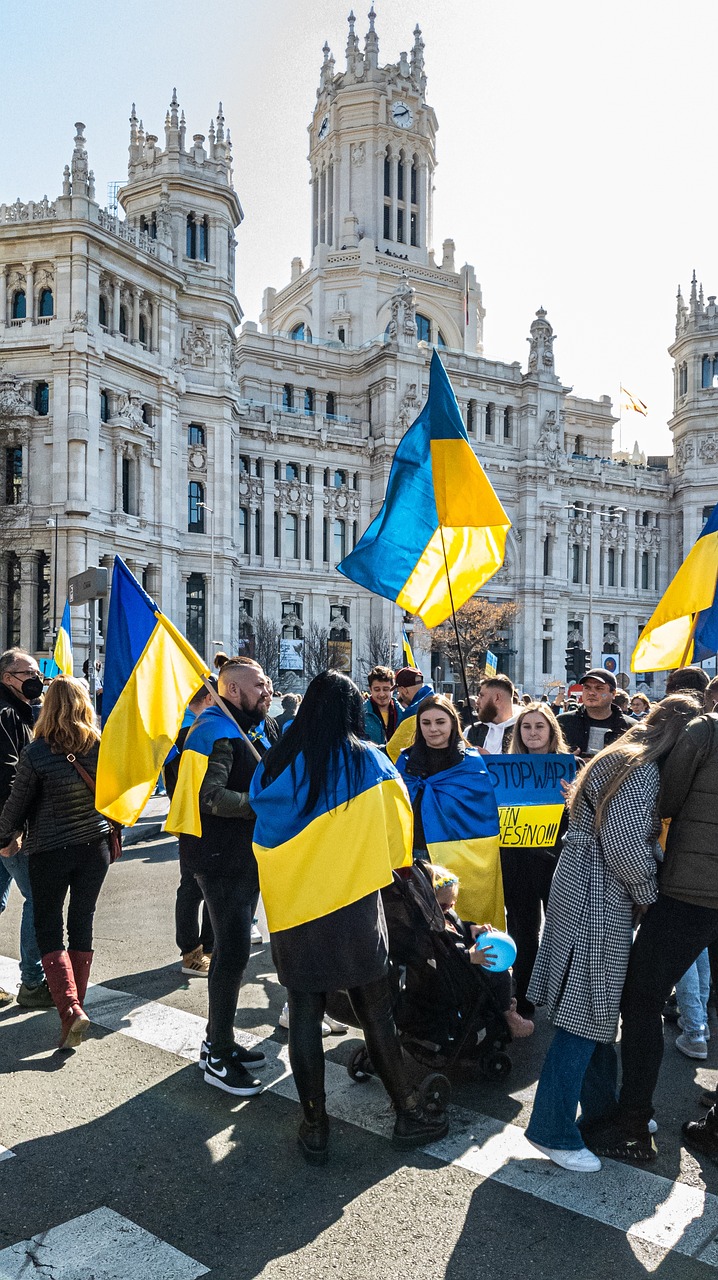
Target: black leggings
[
  {"x": 372, "y": 1006},
  {"x": 81, "y": 868}
]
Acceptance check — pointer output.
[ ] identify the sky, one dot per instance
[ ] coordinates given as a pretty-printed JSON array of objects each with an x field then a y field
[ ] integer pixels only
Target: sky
[{"x": 575, "y": 147}]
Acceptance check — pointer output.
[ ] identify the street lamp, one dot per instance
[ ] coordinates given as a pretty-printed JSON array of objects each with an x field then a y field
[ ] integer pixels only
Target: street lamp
[
  {"x": 210, "y": 619},
  {"x": 53, "y": 521}
]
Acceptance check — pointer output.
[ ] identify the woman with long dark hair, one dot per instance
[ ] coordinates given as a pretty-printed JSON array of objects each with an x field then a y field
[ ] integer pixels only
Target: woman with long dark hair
[
  {"x": 332, "y": 819},
  {"x": 606, "y": 878},
  {"x": 67, "y": 842}
]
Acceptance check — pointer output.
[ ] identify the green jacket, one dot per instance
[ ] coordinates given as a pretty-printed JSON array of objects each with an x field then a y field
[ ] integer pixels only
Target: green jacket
[{"x": 689, "y": 797}]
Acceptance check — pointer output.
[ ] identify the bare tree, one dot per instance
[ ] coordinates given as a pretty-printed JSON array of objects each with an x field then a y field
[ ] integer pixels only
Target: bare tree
[
  {"x": 480, "y": 624},
  {"x": 377, "y": 649},
  {"x": 316, "y": 639},
  {"x": 266, "y": 645}
]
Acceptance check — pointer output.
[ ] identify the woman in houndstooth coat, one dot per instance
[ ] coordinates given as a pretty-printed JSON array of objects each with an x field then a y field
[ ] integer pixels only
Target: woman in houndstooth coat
[{"x": 606, "y": 877}]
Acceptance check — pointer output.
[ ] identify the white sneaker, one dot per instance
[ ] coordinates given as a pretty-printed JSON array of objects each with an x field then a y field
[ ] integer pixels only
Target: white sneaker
[
  {"x": 653, "y": 1126},
  {"x": 330, "y": 1027},
  {"x": 582, "y": 1161},
  {"x": 256, "y": 936}
]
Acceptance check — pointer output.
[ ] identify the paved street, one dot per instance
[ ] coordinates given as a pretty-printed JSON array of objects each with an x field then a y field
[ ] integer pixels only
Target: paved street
[{"x": 171, "y": 1179}]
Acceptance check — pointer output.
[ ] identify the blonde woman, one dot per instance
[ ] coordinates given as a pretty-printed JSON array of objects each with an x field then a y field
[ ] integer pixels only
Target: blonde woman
[
  {"x": 67, "y": 842},
  {"x": 605, "y": 880},
  {"x": 527, "y": 873}
]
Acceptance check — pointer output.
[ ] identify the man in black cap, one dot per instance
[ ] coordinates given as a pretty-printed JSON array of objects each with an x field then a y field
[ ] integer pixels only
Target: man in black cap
[{"x": 598, "y": 721}]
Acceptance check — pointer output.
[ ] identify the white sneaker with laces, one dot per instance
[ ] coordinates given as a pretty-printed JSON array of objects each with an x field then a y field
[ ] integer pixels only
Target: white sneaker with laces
[
  {"x": 330, "y": 1027},
  {"x": 582, "y": 1161},
  {"x": 256, "y": 936}
]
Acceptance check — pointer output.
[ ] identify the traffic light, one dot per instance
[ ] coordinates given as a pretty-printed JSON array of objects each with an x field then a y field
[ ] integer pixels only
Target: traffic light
[
  {"x": 583, "y": 664},
  {"x": 572, "y": 663}
]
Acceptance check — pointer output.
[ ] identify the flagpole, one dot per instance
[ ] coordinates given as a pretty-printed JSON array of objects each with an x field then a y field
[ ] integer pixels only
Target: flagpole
[
  {"x": 218, "y": 702},
  {"x": 456, "y": 629}
]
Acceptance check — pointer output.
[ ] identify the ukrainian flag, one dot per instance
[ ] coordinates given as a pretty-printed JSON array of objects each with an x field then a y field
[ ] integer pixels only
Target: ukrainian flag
[
  {"x": 684, "y": 626},
  {"x": 151, "y": 672},
  {"x": 184, "y": 815},
  {"x": 63, "y": 644},
  {"x": 441, "y": 521},
  {"x": 461, "y": 826},
  {"x": 409, "y": 658},
  {"x": 405, "y": 732},
  {"x": 343, "y": 849}
]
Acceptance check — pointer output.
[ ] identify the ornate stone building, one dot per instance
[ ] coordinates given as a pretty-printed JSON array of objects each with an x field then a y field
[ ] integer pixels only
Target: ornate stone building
[{"x": 233, "y": 467}]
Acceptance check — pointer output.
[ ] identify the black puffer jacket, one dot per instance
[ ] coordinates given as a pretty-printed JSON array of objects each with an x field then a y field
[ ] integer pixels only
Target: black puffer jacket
[
  {"x": 689, "y": 797},
  {"x": 50, "y": 796},
  {"x": 16, "y": 725}
]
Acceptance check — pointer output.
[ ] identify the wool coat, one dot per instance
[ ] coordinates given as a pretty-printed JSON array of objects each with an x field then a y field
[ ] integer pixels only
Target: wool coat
[{"x": 583, "y": 957}]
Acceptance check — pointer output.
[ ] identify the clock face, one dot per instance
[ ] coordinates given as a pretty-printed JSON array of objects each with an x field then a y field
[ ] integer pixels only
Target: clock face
[
  {"x": 401, "y": 115},
  {"x": 323, "y": 128}
]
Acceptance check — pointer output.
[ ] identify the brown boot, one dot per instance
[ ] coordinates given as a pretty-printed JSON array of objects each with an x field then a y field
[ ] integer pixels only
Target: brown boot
[
  {"x": 81, "y": 962},
  {"x": 61, "y": 981}
]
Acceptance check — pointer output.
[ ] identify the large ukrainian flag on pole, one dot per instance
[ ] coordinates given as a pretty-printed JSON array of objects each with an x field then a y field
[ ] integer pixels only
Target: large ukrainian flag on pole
[
  {"x": 63, "y": 644},
  {"x": 441, "y": 523},
  {"x": 151, "y": 672},
  {"x": 343, "y": 849},
  {"x": 684, "y": 626},
  {"x": 461, "y": 827}
]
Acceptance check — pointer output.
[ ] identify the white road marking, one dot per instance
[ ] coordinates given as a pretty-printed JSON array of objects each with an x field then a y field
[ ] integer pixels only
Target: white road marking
[
  {"x": 649, "y": 1209},
  {"x": 101, "y": 1243}
]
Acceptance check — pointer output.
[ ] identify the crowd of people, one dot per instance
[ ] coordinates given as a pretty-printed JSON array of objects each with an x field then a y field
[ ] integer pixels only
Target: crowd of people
[{"x": 614, "y": 914}]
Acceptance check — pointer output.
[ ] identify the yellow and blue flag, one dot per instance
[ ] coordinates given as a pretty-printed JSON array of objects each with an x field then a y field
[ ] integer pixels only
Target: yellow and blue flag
[
  {"x": 441, "y": 521},
  {"x": 405, "y": 732},
  {"x": 409, "y": 659},
  {"x": 311, "y": 864},
  {"x": 184, "y": 816},
  {"x": 151, "y": 672},
  {"x": 63, "y": 643},
  {"x": 461, "y": 827},
  {"x": 684, "y": 625}
]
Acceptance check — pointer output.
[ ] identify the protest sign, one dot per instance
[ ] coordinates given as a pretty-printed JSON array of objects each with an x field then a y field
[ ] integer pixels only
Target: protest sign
[{"x": 529, "y": 796}]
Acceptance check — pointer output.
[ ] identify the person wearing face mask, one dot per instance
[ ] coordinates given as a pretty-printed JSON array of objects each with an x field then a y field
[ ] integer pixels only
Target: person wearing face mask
[
  {"x": 212, "y": 815},
  {"x": 20, "y": 687}
]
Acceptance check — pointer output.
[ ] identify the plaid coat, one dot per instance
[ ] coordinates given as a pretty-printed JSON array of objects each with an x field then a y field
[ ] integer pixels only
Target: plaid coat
[{"x": 582, "y": 961}]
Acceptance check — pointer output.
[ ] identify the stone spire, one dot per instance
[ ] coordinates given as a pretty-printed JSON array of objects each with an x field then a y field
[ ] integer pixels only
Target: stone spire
[
  {"x": 326, "y": 75},
  {"x": 417, "y": 60},
  {"x": 221, "y": 145},
  {"x": 681, "y": 313},
  {"x": 134, "y": 147},
  {"x": 354, "y": 57},
  {"x": 78, "y": 167},
  {"x": 172, "y": 131},
  {"x": 541, "y": 342},
  {"x": 371, "y": 43},
  {"x": 694, "y": 295},
  {"x": 182, "y": 132}
]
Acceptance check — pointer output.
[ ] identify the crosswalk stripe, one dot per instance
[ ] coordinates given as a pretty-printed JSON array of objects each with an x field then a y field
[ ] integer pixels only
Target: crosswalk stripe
[{"x": 649, "y": 1209}]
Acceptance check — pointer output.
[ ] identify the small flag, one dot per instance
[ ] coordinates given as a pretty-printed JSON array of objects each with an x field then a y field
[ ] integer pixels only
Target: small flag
[
  {"x": 684, "y": 625},
  {"x": 491, "y": 665},
  {"x": 63, "y": 644},
  {"x": 151, "y": 672},
  {"x": 442, "y": 530},
  {"x": 634, "y": 403},
  {"x": 409, "y": 659}
]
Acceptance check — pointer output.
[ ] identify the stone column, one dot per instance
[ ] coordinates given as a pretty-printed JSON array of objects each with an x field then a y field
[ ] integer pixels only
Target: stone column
[
  {"x": 3, "y": 296},
  {"x": 135, "y": 315},
  {"x": 30, "y": 292},
  {"x": 115, "y": 305},
  {"x": 154, "y": 325}
]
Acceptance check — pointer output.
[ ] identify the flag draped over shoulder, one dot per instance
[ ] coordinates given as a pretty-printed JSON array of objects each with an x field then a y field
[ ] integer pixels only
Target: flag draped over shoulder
[
  {"x": 151, "y": 672},
  {"x": 184, "y": 816},
  {"x": 343, "y": 849},
  {"x": 684, "y": 625},
  {"x": 438, "y": 501},
  {"x": 461, "y": 827},
  {"x": 405, "y": 732},
  {"x": 63, "y": 644}
]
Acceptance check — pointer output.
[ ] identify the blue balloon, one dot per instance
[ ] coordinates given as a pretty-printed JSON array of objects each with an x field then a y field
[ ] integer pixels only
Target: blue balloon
[{"x": 501, "y": 950}]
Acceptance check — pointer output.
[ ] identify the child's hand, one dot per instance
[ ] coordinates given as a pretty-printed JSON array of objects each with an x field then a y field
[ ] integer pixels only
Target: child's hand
[
  {"x": 485, "y": 957},
  {"x": 477, "y": 929}
]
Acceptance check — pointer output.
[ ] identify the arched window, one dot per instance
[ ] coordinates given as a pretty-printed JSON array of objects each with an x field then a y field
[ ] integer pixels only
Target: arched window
[
  {"x": 42, "y": 399},
  {"x": 243, "y": 532},
  {"x": 203, "y": 240},
  {"x": 291, "y": 471},
  {"x": 423, "y": 328},
  {"x": 195, "y": 433},
  {"x": 104, "y": 407},
  {"x": 340, "y": 479},
  {"x": 46, "y": 305},
  {"x": 440, "y": 341},
  {"x": 195, "y": 507},
  {"x": 12, "y": 630},
  {"x": 301, "y": 332},
  {"x": 147, "y": 414},
  {"x": 19, "y": 305},
  {"x": 340, "y": 540},
  {"x": 291, "y": 536},
  {"x": 191, "y": 245},
  {"x": 102, "y": 312},
  {"x": 287, "y": 396},
  {"x": 308, "y": 400},
  {"x": 123, "y": 321},
  {"x": 195, "y": 621},
  {"x": 331, "y": 404},
  {"x": 143, "y": 331}
]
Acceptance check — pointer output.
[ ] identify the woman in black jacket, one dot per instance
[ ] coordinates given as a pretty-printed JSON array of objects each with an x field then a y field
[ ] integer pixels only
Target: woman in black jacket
[{"x": 67, "y": 841}]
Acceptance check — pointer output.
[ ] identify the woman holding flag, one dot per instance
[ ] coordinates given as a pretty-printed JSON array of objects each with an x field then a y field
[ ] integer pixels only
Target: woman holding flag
[{"x": 333, "y": 819}]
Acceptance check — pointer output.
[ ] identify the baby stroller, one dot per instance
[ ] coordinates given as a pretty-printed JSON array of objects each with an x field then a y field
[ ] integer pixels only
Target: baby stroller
[{"x": 445, "y": 1011}]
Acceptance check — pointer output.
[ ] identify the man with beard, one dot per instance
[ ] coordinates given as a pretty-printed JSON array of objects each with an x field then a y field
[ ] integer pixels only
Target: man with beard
[
  {"x": 497, "y": 714},
  {"x": 212, "y": 815},
  {"x": 599, "y": 721}
]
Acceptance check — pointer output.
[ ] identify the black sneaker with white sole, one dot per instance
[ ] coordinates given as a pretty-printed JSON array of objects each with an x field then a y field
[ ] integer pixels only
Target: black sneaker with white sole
[
  {"x": 229, "y": 1074},
  {"x": 253, "y": 1058}
]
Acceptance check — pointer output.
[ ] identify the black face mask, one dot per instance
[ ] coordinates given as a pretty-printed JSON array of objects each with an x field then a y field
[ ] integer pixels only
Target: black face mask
[{"x": 31, "y": 688}]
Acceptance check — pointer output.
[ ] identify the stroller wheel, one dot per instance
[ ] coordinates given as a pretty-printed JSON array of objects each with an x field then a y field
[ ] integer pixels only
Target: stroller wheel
[
  {"x": 496, "y": 1065},
  {"x": 360, "y": 1067},
  {"x": 435, "y": 1092}
]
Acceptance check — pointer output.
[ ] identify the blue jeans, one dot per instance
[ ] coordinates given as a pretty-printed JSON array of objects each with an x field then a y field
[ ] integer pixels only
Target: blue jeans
[
  {"x": 17, "y": 868},
  {"x": 575, "y": 1071},
  {"x": 693, "y": 990}
]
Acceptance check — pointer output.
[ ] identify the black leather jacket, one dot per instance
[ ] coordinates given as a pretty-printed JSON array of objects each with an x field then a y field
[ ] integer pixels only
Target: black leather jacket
[{"x": 49, "y": 796}]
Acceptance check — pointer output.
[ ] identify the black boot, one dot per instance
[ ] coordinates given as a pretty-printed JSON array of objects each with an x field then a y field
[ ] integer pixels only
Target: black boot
[
  {"x": 417, "y": 1125},
  {"x": 313, "y": 1136},
  {"x": 702, "y": 1135}
]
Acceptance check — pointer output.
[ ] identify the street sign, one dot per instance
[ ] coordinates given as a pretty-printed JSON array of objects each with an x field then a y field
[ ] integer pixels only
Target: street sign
[{"x": 89, "y": 585}]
